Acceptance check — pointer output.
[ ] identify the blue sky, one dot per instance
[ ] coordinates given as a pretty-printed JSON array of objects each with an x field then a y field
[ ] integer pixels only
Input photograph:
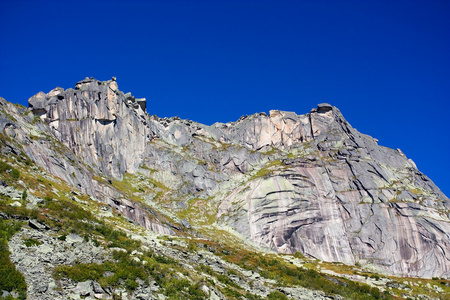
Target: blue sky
[{"x": 384, "y": 64}]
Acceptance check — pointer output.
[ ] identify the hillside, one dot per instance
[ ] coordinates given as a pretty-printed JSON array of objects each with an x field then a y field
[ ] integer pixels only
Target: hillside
[{"x": 100, "y": 199}]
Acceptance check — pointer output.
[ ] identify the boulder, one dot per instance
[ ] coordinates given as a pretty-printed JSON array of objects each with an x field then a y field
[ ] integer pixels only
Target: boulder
[
  {"x": 324, "y": 107},
  {"x": 84, "y": 288},
  {"x": 37, "y": 225}
]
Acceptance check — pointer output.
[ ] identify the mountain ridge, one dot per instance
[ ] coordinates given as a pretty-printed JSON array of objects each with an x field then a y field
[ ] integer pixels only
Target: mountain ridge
[
  {"x": 325, "y": 127},
  {"x": 309, "y": 184}
]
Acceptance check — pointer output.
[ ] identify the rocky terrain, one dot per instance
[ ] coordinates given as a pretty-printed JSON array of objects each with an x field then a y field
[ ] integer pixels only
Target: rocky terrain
[{"x": 277, "y": 205}]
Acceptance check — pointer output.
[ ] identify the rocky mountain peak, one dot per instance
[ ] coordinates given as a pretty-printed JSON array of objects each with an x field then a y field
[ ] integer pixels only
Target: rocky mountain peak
[{"x": 285, "y": 182}]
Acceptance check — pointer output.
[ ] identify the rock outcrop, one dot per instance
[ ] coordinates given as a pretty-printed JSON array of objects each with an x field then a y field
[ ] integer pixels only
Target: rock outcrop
[
  {"x": 341, "y": 197},
  {"x": 97, "y": 122},
  {"x": 309, "y": 183}
]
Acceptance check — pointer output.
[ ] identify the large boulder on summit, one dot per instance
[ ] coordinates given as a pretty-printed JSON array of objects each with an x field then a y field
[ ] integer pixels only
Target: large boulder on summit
[{"x": 38, "y": 103}]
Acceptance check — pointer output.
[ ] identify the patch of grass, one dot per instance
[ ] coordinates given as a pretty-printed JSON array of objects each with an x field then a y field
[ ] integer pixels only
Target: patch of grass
[
  {"x": 80, "y": 272},
  {"x": 195, "y": 205},
  {"x": 285, "y": 274},
  {"x": 271, "y": 151},
  {"x": 192, "y": 247},
  {"x": 233, "y": 294},
  {"x": 291, "y": 156},
  {"x": 126, "y": 271},
  {"x": 277, "y": 295},
  {"x": 30, "y": 242},
  {"x": 226, "y": 280},
  {"x": 8, "y": 171},
  {"x": 268, "y": 169},
  {"x": 417, "y": 191},
  {"x": 20, "y": 212},
  {"x": 8, "y": 115}
]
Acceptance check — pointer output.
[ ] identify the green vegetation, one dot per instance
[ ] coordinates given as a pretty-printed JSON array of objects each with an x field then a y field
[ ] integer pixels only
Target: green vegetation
[
  {"x": 69, "y": 217},
  {"x": 273, "y": 267},
  {"x": 127, "y": 269},
  {"x": 231, "y": 290},
  {"x": 30, "y": 242},
  {"x": 226, "y": 280},
  {"x": 17, "y": 212},
  {"x": 11, "y": 279},
  {"x": 276, "y": 295},
  {"x": 272, "y": 151},
  {"x": 8, "y": 115},
  {"x": 269, "y": 169},
  {"x": 8, "y": 172},
  {"x": 123, "y": 269}
]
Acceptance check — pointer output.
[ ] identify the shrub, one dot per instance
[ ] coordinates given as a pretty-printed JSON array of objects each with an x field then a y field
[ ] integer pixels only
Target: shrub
[
  {"x": 231, "y": 293},
  {"x": 376, "y": 277},
  {"x": 4, "y": 167},
  {"x": 277, "y": 295},
  {"x": 164, "y": 260},
  {"x": 14, "y": 173},
  {"x": 192, "y": 247},
  {"x": 32, "y": 242},
  {"x": 226, "y": 280},
  {"x": 24, "y": 195},
  {"x": 80, "y": 272},
  {"x": 375, "y": 292}
]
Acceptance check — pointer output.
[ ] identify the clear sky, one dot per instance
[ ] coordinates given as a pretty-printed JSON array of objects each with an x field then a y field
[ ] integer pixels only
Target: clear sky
[{"x": 384, "y": 64}]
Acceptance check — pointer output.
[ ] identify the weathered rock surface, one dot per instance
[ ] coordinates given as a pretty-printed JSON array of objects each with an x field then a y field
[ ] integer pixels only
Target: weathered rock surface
[
  {"x": 309, "y": 183},
  {"x": 344, "y": 198},
  {"x": 98, "y": 123},
  {"x": 37, "y": 262}
]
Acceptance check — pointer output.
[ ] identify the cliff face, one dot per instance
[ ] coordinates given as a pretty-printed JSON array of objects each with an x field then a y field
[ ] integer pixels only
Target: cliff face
[
  {"x": 309, "y": 183},
  {"x": 98, "y": 122},
  {"x": 338, "y": 196}
]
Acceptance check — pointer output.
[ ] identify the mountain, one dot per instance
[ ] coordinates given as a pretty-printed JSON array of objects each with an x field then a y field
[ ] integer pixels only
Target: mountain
[{"x": 239, "y": 209}]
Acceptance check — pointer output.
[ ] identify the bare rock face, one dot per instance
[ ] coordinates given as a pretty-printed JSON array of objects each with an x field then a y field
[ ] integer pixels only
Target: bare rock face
[
  {"x": 98, "y": 123},
  {"x": 342, "y": 197},
  {"x": 309, "y": 183}
]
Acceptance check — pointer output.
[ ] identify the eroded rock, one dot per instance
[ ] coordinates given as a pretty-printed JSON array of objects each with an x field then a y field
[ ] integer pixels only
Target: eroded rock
[{"x": 309, "y": 183}]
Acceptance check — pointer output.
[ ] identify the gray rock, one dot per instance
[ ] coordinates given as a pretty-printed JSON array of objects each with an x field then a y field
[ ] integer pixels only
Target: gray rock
[
  {"x": 5, "y": 122},
  {"x": 97, "y": 288},
  {"x": 37, "y": 225},
  {"x": 37, "y": 263},
  {"x": 73, "y": 238},
  {"x": 84, "y": 288},
  {"x": 310, "y": 183},
  {"x": 324, "y": 107},
  {"x": 185, "y": 223}
]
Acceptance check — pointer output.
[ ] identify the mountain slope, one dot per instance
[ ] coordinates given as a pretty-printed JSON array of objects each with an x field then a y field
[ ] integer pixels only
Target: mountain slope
[{"x": 308, "y": 184}]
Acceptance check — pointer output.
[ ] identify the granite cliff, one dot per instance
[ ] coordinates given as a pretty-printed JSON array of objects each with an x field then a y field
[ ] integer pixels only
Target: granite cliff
[{"x": 288, "y": 183}]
